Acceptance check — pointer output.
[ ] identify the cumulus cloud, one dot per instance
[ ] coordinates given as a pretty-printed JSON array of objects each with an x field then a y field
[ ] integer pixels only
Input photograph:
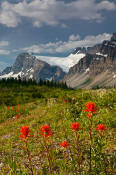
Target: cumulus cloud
[
  {"x": 8, "y": 16},
  {"x": 106, "y": 5},
  {"x": 4, "y": 52},
  {"x": 52, "y": 12},
  {"x": 74, "y": 37},
  {"x": 67, "y": 46}
]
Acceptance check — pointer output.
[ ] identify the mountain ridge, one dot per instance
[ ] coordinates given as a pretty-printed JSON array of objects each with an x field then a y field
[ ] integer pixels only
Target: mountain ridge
[
  {"x": 83, "y": 68},
  {"x": 28, "y": 66},
  {"x": 99, "y": 67}
]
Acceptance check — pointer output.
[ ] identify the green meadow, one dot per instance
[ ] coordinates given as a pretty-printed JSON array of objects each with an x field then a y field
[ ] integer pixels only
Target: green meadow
[{"x": 88, "y": 152}]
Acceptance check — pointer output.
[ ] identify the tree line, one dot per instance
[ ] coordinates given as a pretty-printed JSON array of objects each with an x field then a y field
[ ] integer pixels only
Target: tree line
[{"x": 11, "y": 82}]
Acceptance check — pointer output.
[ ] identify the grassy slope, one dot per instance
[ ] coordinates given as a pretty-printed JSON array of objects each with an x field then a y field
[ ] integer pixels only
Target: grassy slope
[{"x": 59, "y": 115}]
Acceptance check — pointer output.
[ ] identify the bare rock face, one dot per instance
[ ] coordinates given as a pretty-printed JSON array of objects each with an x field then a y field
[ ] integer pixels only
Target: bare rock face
[
  {"x": 97, "y": 68},
  {"x": 23, "y": 62},
  {"x": 28, "y": 66},
  {"x": 7, "y": 70},
  {"x": 113, "y": 38}
]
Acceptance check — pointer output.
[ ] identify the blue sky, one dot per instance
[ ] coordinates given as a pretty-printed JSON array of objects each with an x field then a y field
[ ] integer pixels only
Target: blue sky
[{"x": 53, "y": 27}]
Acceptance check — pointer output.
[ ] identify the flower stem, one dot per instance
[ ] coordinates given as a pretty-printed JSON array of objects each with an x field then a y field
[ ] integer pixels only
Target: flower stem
[
  {"x": 65, "y": 158},
  {"x": 78, "y": 151},
  {"x": 48, "y": 157},
  {"x": 29, "y": 158},
  {"x": 90, "y": 164}
]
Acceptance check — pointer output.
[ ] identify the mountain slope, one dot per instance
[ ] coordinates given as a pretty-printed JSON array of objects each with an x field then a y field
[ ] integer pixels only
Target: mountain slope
[{"x": 97, "y": 68}]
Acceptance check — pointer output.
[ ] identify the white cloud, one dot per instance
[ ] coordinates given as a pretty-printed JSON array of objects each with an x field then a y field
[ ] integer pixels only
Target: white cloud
[
  {"x": 8, "y": 16},
  {"x": 52, "y": 12},
  {"x": 4, "y": 52},
  {"x": 106, "y": 5},
  {"x": 67, "y": 46},
  {"x": 74, "y": 37}
]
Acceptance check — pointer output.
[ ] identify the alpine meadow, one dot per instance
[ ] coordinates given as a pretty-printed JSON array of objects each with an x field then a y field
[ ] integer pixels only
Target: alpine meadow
[{"x": 57, "y": 87}]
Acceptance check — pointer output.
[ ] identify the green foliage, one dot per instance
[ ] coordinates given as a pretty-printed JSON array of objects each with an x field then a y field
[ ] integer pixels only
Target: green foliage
[
  {"x": 87, "y": 81},
  {"x": 14, "y": 92},
  {"x": 59, "y": 108},
  {"x": 13, "y": 112}
]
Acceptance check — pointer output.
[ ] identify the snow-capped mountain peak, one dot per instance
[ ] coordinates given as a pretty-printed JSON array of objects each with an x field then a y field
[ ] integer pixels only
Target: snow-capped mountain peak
[{"x": 28, "y": 66}]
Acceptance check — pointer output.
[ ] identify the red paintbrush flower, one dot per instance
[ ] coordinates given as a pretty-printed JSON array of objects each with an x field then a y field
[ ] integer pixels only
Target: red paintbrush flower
[
  {"x": 75, "y": 126},
  {"x": 12, "y": 107},
  {"x": 91, "y": 108},
  {"x": 101, "y": 127},
  {"x": 65, "y": 101},
  {"x": 25, "y": 132},
  {"x": 64, "y": 144},
  {"x": 45, "y": 131}
]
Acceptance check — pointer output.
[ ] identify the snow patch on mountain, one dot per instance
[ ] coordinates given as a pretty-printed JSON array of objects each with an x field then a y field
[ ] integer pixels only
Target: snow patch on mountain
[
  {"x": 100, "y": 54},
  {"x": 87, "y": 70},
  {"x": 11, "y": 75},
  {"x": 6, "y": 75},
  {"x": 64, "y": 62}
]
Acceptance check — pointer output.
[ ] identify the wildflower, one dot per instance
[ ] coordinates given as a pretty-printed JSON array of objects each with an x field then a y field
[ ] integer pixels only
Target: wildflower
[
  {"x": 75, "y": 126},
  {"x": 12, "y": 107},
  {"x": 65, "y": 101},
  {"x": 45, "y": 131},
  {"x": 19, "y": 114},
  {"x": 101, "y": 127},
  {"x": 24, "y": 132},
  {"x": 64, "y": 144},
  {"x": 16, "y": 116},
  {"x": 91, "y": 107},
  {"x": 89, "y": 115}
]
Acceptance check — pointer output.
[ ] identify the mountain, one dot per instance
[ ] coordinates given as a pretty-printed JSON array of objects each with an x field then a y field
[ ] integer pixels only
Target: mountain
[
  {"x": 83, "y": 68},
  {"x": 44, "y": 67},
  {"x": 64, "y": 62},
  {"x": 28, "y": 66},
  {"x": 97, "y": 68},
  {"x": 7, "y": 70}
]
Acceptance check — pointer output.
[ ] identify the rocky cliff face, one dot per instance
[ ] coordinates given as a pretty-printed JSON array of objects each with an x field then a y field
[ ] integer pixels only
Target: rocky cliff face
[
  {"x": 28, "y": 66},
  {"x": 7, "y": 70},
  {"x": 97, "y": 68}
]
